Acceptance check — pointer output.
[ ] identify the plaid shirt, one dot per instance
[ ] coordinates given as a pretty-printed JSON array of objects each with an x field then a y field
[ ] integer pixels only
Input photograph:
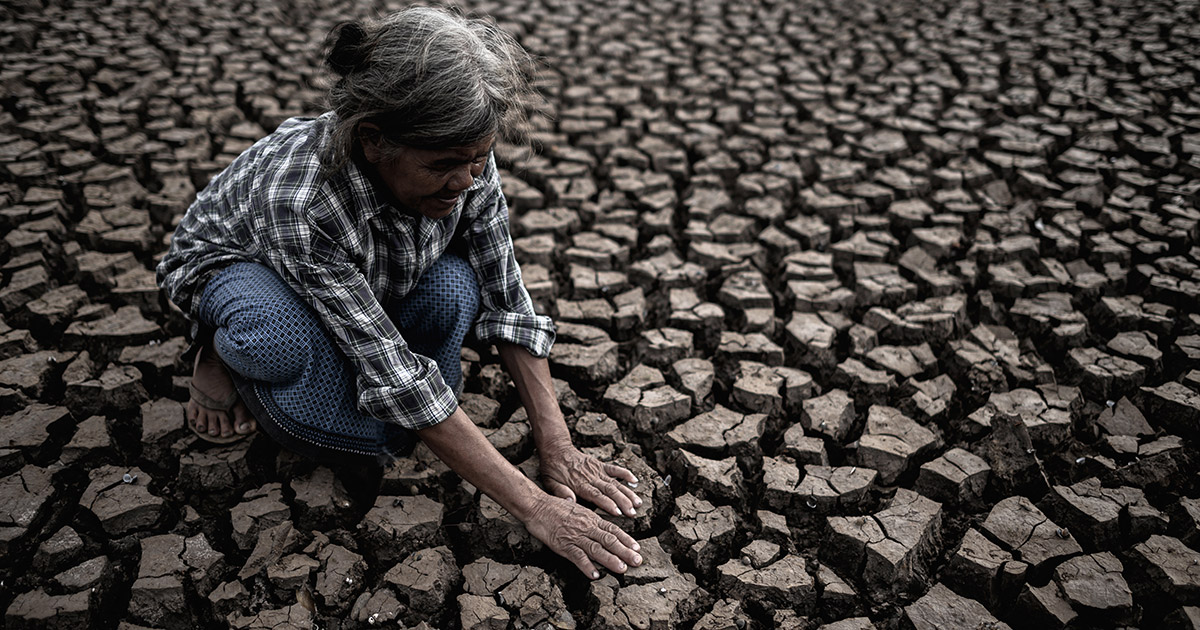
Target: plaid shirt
[{"x": 346, "y": 251}]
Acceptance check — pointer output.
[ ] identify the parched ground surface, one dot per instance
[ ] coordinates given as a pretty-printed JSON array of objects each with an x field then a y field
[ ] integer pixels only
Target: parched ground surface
[{"x": 892, "y": 307}]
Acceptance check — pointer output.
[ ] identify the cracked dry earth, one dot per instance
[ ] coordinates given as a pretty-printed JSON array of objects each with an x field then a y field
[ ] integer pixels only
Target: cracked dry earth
[{"x": 893, "y": 308}]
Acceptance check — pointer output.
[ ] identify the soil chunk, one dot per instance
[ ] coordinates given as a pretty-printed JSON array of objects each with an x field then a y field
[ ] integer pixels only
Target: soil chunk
[
  {"x": 831, "y": 415},
  {"x": 397, "y": 526},
  {"x": 891, "y": 442},
  {"x": 122, "y": 506},
  {"x": 701, "y": 532},
  {"x": 892, "y": 549},
  {"x": 982, "y": 570},
  {"x": 261, "y": 509},
  {"x": 669, "y": 603},
  {"x": 782, "y": 583},
  {"x": 942, "y": 608},
  {"x": 1168, "y": 564},
  {"x": 1102, "y": 517},
  {"x": 958, "y": 476},
  {"x": 1095, "y": 586},
  {"x": 1029, "y": 534},
  {"x": 39, "y": 609}
]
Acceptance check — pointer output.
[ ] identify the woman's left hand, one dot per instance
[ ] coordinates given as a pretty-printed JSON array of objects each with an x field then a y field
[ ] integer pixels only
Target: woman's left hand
[{"x": 568, "y": 473}]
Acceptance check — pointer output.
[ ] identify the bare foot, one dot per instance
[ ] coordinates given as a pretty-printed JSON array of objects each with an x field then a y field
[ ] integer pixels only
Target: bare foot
[{"x": 212, "y": 379}]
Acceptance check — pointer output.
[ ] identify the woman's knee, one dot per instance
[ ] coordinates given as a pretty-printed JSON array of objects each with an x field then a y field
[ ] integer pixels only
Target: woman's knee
[
  {"x": 263, "y": 330},
  {"x": 453, "y": 289},
  {"x": 267, "y": 348}
]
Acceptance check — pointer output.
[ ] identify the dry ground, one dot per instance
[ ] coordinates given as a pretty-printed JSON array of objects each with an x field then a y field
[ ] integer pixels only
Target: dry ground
[{"x": 892, "y": 307}]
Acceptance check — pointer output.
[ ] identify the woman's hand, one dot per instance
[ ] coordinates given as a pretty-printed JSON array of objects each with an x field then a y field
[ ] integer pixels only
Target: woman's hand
[
  {"x": 579, "y": 535},
  {"x": 572, "y": 531},
  {"x": 568, "y": 473}
]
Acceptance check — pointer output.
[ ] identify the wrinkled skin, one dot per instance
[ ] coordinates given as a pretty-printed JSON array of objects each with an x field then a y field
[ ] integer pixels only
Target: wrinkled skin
[
  {"x": 568, "y": 473},
  {"x": 579, "y": 535}
]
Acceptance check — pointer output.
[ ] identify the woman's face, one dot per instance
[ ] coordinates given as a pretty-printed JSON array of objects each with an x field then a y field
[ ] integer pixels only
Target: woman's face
[{"x": 430, "y": 181}]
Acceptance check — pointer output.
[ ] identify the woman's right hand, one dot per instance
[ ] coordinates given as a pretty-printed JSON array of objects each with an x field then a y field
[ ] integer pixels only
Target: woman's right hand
[
  {"x": 579, "y": 535},
  {"x": 572, "y": 531}
]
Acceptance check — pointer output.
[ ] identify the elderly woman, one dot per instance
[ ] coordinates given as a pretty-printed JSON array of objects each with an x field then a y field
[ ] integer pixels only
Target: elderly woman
[{"x": 333, "y": 270}]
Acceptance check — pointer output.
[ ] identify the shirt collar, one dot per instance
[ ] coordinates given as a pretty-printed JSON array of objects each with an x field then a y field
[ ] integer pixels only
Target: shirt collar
[{"x": 363, "y": 190}]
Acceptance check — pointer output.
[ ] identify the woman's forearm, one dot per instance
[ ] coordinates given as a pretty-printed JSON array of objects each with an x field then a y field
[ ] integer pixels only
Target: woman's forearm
[
  {"x": 567, "y": 528},
  {"x": 531, "y": 376},
  {"x": 462, "y": 446}
]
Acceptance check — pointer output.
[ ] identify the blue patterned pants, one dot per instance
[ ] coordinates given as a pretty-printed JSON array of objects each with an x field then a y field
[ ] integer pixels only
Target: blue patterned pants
[{"x": 297, "y": 383}]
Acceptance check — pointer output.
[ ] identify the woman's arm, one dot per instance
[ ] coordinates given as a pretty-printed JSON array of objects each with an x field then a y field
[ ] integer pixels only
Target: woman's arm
[
  {"x": 565, "y": 470},
  {"x": 507, "y": 318},
  {"x": 566, "y": 527}
]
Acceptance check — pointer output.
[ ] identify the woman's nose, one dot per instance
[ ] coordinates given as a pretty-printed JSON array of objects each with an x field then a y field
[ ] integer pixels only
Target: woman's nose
[{"x": 461, "y": 180}]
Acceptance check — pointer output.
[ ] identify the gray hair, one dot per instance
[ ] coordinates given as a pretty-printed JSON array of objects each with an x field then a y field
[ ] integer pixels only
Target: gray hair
[{"x": 429, "y": 78}]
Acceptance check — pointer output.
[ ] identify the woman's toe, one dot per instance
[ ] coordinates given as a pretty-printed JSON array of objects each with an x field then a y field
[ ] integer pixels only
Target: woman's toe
[
  {"x": 193, "y": 416},
  {"x": 244, "y": 421},
  {"x": 214, "y": 426}
]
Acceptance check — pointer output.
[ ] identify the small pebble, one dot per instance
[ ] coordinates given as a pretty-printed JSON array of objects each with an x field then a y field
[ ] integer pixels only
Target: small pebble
[{"x": 304, "y": 598}]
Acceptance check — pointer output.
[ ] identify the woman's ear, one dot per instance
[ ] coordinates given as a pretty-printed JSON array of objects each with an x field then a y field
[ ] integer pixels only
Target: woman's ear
[{"x": 369, "y": 136}]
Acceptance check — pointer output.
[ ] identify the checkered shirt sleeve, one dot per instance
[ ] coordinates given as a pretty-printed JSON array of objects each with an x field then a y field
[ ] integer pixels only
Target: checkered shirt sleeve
[{"x": 506, "y": 311}]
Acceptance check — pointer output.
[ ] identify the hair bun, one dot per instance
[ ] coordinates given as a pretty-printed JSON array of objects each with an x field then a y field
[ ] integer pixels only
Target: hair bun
[{"x": 347, "y": 52}]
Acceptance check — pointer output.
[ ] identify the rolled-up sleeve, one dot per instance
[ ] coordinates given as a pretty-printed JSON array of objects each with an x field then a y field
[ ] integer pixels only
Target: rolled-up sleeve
[
  {"x": 506, "y": 311},
  {"x": 393, "y": 384}
]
